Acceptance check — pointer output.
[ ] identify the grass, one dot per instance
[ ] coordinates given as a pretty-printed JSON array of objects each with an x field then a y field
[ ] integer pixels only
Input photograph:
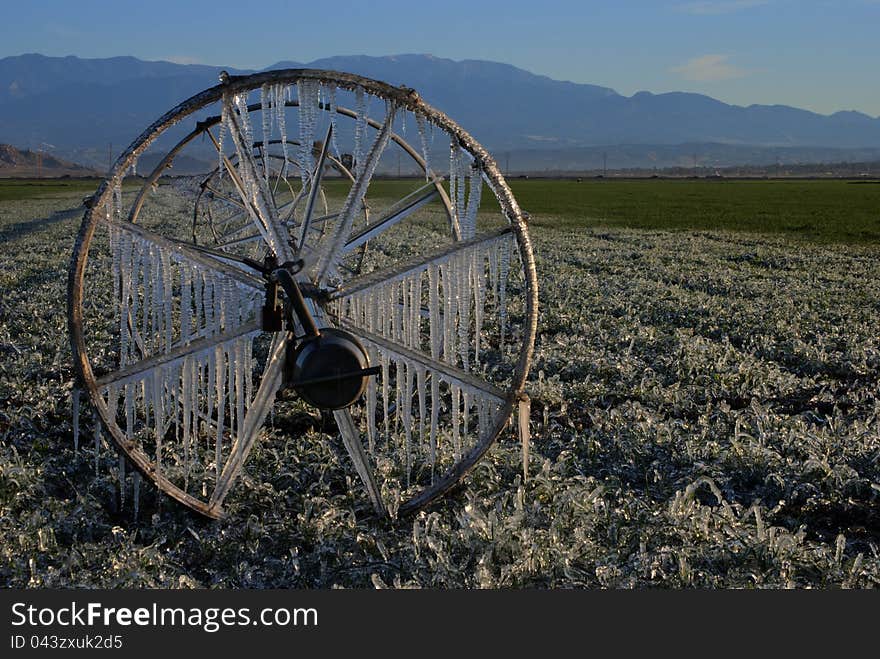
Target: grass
[
  {"x": 13, "y": 189},
  {"x": 817, "y": 211}
]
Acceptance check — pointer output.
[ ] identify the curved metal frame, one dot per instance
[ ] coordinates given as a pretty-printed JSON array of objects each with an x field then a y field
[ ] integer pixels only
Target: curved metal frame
[{"x": 404, "y": 97}]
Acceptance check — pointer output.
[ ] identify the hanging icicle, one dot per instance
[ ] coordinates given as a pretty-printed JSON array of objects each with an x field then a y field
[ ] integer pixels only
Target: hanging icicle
[
  {"x": 360, "y": 130},
  {"x": 331, "y": 107},
  {"x": 423, "y": 139},
  {"x": 308, "y": 93},
  {"x": 266, "y": 116},
  {"x": 523, "y": 413}
]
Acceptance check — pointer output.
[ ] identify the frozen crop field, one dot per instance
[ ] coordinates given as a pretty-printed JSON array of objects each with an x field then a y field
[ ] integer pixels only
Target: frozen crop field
[{"x": 704, "y": 415}]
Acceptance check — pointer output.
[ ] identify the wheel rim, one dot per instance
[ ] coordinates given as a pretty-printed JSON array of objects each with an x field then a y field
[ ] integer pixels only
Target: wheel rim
[{"x": 349, "y": 299}]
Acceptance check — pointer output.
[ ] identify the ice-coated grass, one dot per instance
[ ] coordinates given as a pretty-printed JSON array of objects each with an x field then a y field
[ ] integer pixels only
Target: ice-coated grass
[{"x": 703, "y": 415}]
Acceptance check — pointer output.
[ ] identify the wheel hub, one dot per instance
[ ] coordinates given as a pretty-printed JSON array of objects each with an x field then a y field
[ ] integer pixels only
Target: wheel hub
[{"x": 328, "y": 371}]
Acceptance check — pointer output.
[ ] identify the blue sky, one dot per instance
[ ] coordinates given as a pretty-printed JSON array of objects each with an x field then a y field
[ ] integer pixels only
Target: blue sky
[{"x": 818, "y": 54}]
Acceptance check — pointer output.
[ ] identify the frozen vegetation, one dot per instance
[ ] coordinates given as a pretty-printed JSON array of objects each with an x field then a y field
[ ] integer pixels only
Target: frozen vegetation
[{"x": 704, "y": 414}]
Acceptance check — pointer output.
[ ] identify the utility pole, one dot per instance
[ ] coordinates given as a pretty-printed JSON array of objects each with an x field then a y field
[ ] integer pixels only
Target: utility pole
[{"x": 604, "y": 164}]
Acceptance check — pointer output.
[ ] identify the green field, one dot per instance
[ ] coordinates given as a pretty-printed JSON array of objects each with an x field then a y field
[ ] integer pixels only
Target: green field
[
  {"x": 818, "y": 211},
  {"x": 12, "y": 189},
  {"x": 814, "y": 210}
]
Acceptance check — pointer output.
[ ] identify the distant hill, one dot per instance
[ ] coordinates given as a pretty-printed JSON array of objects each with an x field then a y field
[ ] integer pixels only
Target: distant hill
[
  {"x": 87, "y": 106},
  {"x": 31, "y": 164}
]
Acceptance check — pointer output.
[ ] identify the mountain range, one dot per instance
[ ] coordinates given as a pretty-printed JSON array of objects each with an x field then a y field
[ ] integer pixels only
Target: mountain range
[
  {"x": 85, "y": 107},
  {"x": 37, "y": 164}
]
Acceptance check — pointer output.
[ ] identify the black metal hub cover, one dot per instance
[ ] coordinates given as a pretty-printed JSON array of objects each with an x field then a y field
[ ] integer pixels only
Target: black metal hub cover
[{"x": 326, "y": 370}]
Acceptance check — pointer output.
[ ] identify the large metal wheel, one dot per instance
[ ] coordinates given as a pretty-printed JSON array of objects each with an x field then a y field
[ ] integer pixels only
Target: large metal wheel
[{"x": 176, "y": 338}]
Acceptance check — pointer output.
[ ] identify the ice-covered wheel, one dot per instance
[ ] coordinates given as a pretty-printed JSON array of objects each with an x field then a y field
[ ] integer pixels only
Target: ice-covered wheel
[{"x": 183, "y": 343}]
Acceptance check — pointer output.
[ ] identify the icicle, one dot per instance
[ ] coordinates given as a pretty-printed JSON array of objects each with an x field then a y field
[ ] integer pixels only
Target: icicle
[
  {"x": 159, "y": 413},
  {"x": 74, "y": 404},
  {"x": 398, "y": 393},
  {"x": 221, "y": 135},
  {"x": 415, "y": 322},
  {"x": 120, "y": 474},
  {"x": 127, "y": 270},
  {"x": 466, "y": 405},
  {"x": 186, "y": 404},
  {"x": 244, "y": 120},
  {"x": 478, "y": 272},
  {"x": 157, "y": 303},
  {"x": 360, "y": 130},
  {"x": 266, "y": 116},
  {"x": 332, "y": 111},
  {"x": 493, "y": 275},
  {"x": 371, "y": 404},
  {"x": 278, "y": 103},
  {"x": 239, "y": 387},
  {"x": 453, "y": 179},
  {"x": 435, "y": 420},
  {"x": 168, "y": 287},
  {"x": 460, "y": 187},
  {"x": 456, "y": 420},
  {"x": 423, "y": 138},
  {"x": 434, "y": 309},
  {"x": 136, "y": 493},
  {"x": 385, "y": 391},
  {"x": 186, "y": 304},
  {"x": 420, "y": 388},
  {"x": 503, "y": 271},
  {"x": 308, "y": 95},
  {"x": 248, "y": 370},
  {"x": 462, "y": 269},
  {"x": 475, "y": 190},
  {"x": 407, "y": 418},
  {"x": 220, "y": 389},
  {"x": 115, "y": 252},
  {"x": 523, "y": 414},
  {"x": 449, "y": 313},
  {"x": 129, "y": 397},
  {"x": 117, "y": 199}
]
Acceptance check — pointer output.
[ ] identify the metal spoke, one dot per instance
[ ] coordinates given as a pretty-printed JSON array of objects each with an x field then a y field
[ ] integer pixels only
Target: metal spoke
[
  {"x": 315, "y": 188},
  {"x": 397, "y": 271},
  {"x": 242, "y": 241},
  {"x": 256, "y": 414},
  {"x": 351, "y": 439},
  {"x": 405, "y": 207},
  {"x": 356, "y": 196},
  {"x": 192, "y": 253},
  {"x": 223, "y": 197},
  {"x": 441, "y": 368},
  {"x": 351, "y": 436},
  {"x": 226, "y": 257},
  {"x": 260, "y": 203},
  {"x": 138, "y": 368}
]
